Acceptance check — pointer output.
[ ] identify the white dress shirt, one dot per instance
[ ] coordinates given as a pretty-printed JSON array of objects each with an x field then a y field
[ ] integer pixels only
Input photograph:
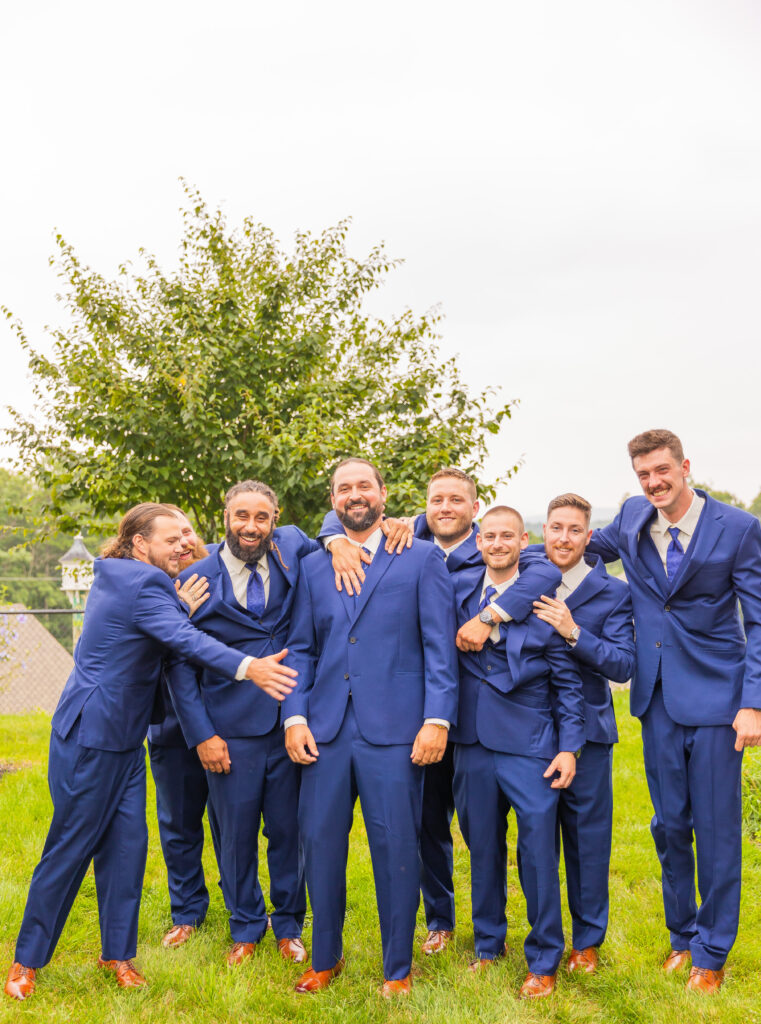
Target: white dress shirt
[
  {"x": 371, "y": 543},
  {"x": 659, "y": 529}
]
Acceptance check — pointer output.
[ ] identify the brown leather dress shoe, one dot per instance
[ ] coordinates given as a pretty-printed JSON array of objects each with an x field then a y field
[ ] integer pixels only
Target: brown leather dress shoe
[
  {"x": 292, "y": 949},
  {"x": 483, "y": 964},
  {"x": 127, "y": 975},
  {"x": 177, "y": 936},
  {"x": 703, "y": 979},
  {"x": 537, "y": 986},
  {"x": 584, "y": 960},
  {"x": 314, "y": 981},
  {"x": 20, "y": 983},
  {"x": 241, "y": 951},
  {"x": 676, "y": 960},
  {"x": 397, "y": 987},
  {"x": 436, "y": 942}
]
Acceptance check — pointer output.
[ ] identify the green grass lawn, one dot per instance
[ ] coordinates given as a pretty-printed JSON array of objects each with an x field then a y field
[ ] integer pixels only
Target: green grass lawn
[{"x": 193, "y": 983}]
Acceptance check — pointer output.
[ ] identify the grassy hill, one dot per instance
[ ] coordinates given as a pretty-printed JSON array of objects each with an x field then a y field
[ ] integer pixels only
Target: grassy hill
[{"x": 193, "y": 983}]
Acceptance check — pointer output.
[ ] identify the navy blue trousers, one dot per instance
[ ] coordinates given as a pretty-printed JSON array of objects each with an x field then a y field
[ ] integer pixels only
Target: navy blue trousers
[
  {"x": 694, "y": 777},
  {"x": 263, "y": 784},
  {"x": 486, "y": 785},
  {"x": 98, "y": 815},
  {"x": 181, "y": 793},
  {"x": 436, "y": 847},
  {"x": 585, "y": 817},
  {"x": 390, "y": 790}
]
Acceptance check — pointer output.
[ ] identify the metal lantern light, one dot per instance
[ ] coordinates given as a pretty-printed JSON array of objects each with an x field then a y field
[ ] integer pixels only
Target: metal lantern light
[{"x": 76, "y": 580}]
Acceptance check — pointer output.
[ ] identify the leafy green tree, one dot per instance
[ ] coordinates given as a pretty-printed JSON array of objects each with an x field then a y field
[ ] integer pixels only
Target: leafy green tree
[
  {"x": 726, "y": 496},
  {"x": 245, "y": 361}
]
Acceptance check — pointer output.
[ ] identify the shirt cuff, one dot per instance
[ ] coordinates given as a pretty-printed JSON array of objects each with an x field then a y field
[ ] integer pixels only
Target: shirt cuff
[
  {"x": 437, "y": 721},
  {"x": 294, "y": 720},
  {"x": 243, "y": 668},
  {"x": 500, "y": 613}
]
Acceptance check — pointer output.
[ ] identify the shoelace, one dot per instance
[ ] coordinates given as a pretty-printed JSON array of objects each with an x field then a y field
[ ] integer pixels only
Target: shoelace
[
  {"x": 702, "y": 971},
  {"x": 127, "y": 965},
  {"x": 25, "y": 972}
]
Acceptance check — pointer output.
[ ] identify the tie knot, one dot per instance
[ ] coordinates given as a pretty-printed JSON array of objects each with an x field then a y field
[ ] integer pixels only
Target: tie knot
[
  {"x": 367, "y": 551},
  {"x": 674, "y": 531},
  {"x": 252, "y": 566}
]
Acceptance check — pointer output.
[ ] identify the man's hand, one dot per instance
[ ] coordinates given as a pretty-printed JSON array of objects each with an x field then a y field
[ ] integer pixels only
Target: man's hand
[
  {"x": 398, "y": 533},
  {"x": 214, "y": 756},
  {"x": 300, "y": 744},
  {"x": 548, "y": 609},
  {"x": 269, "y": 675},
  {"x": 473, "y": 635},
  {"x": 430, "y": 744},
  {"x": 747, "y": 725},
  {"x": 565, "y": 763},
  {"x": 192, "y": 592},
  {"x": 347, "y": 564}
]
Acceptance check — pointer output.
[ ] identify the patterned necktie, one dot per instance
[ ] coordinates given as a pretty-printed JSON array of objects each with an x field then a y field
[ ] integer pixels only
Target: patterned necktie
[
  {"x": 486, "y": 600},
  {"x": 674, "y": 554},
  {"x": 255, "y": 591}
]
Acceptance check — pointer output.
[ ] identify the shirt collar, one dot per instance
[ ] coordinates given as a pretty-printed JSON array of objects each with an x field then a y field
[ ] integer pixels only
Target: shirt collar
[
  {"x": 452, "y": 547},
  {"x": 572, "y": 577},
  {"x": 235, "y": 566},
  {"x": 499, "y": 587},
  {"x": 689, "y": 521},
  {"x": 372, "y": 543}
]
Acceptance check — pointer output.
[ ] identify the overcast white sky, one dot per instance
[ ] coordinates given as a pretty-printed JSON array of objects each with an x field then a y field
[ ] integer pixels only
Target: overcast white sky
[{"x": 576, "y": 183}]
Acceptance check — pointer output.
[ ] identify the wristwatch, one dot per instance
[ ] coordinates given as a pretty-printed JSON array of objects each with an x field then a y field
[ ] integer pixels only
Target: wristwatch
[
  {"x": 573, "y": 636},
  {"x": 486, "y": 617}
]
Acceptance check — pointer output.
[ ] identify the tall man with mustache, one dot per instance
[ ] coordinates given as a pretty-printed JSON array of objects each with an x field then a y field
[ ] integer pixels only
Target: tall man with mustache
[
  {"x": 237, "y": 732},
  {"x": 379, "y": 693},
  {"x": 689, "y": 559}
]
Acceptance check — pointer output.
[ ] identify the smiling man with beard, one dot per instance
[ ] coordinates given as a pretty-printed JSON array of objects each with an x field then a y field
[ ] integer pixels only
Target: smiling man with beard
[{"x": 238, "y": 736}]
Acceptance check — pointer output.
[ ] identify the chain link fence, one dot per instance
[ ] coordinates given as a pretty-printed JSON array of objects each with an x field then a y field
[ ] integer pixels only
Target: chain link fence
[{"x": 35, "y": 656}]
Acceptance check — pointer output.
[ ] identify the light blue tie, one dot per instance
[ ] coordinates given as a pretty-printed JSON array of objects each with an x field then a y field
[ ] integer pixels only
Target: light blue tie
[
  {"x": 674, "y": 554},
  {"x": 255, "y": 591}
]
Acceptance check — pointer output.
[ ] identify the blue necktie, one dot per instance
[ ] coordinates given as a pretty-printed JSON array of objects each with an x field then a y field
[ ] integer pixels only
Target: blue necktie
[
  {"x": 674, "y": 554},
  {"x": 255, "y": 591},
  {"x": 486, "y": 600}
]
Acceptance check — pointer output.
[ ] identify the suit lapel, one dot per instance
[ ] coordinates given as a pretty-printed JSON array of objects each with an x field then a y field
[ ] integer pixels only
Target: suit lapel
[
  {"x": 373, "y": 574},
  {"x": 516, "y": 635},
  {"x": 707, "y": 534}
]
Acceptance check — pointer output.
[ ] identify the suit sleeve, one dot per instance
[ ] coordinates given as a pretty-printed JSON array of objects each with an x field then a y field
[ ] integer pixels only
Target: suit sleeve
[
  {"x": 185, "y": 692},
  {"x": 157, "y": 613},
  {"x": 302, "y": 650},
  {"x": 567, "y": 695},
  {"x": 605, "y": 541},
  {"x": 436, "y": 590},
  {"x": 537, "y": 576},
  {"x": 612, "y": 653},
  {"x": 746, "y": 579},
  {"x": 331, "y": 527}
]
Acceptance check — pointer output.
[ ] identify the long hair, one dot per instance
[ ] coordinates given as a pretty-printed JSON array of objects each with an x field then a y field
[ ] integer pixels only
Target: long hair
[{"x": 139, "y": 520}]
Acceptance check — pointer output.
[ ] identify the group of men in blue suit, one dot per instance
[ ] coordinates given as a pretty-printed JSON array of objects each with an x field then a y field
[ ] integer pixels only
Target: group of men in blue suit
[{"x": 469, "y": 671}]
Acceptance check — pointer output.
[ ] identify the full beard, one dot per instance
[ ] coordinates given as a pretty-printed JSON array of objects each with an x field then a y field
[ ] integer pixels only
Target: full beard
[
  {"x": 352, "y": 520},
  {"x": 247, "y": 553}
]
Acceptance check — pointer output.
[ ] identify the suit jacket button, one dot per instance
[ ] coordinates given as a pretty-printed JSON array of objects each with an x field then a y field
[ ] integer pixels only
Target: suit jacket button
[
  {"x": 657, "y": 643},
  {"x": 667, "y": 608},
  {"x": 346, "y": 675},
  {"x": 352, "y": 639},
  {"x": 488, "y": 668}
]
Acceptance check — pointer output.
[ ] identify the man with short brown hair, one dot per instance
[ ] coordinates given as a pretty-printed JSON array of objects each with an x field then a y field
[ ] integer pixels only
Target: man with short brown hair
[{"x": 689, "y": 559}]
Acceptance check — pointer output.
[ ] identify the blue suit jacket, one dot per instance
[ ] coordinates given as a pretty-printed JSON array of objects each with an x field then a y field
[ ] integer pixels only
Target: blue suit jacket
[
  {"x": 525, "y": 696},
  {"x": 209, "y": 703},
  {"x": 689, "y": 630},
  {"x": 392, "y": 648},
  {"x": 133, "y": 618},
  {"x": 538, "y": 575}
]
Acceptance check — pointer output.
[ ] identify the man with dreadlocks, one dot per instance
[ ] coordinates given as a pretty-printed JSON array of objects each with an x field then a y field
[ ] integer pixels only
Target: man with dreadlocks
[{"x": 236, "y": 731}]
